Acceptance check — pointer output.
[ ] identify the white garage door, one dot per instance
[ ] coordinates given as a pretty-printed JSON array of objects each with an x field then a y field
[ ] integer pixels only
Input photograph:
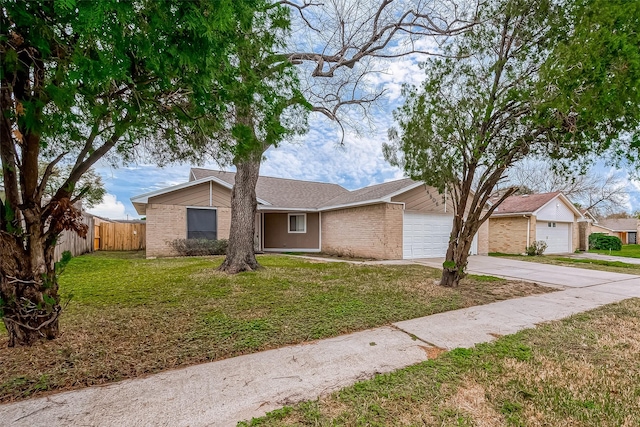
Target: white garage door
[
  {"x": 556, "y": 234},
  {"x": 427, "y": 236}
]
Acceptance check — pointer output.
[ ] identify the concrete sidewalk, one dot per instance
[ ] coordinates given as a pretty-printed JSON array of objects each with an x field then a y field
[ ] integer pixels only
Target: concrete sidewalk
[{"x": 225, "y": 392}]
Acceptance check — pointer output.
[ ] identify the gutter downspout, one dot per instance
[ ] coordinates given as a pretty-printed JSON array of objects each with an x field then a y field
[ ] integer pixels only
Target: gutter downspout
[
  {"x": 320, "y": 231},
  {"x": 528, "y": 231}
]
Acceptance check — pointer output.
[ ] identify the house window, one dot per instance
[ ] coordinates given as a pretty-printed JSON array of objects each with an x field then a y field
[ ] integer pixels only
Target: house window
[
  {"x": 551, "y": 224},
  {"x": 202, "y": 224},
  {"x": 297, "y": 223}
]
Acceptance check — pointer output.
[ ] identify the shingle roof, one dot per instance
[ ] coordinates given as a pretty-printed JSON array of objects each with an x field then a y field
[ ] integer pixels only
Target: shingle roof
[
  {"x": 281, "y": 192},
  {"x": 374, "y": 192},
  {"x": 524, "y": 204},
  {"x": 622, "y": 224},
  {"x": 292, "y": 193}
]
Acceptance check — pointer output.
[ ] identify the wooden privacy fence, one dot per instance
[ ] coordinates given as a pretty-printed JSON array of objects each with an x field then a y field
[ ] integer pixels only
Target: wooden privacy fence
[
  {"x": 72, "y": 242},
  {"x": 119, "y": 236}
]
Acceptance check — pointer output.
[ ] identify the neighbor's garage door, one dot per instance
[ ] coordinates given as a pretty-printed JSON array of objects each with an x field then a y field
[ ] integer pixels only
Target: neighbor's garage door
[
  {"x": 556, "y": 234},
  {"x": 427, "y": 236}
]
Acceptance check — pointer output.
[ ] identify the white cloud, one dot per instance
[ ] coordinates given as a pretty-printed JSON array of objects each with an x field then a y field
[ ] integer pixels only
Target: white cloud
[
  {"x": 110, "y": 207},
  {"x": 357, "y": 163}
]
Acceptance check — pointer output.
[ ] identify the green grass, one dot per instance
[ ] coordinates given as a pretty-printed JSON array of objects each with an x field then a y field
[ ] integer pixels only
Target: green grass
[
  {"x": 585, "y": 263},
  {"x": 618, "y": 264},
  {"x": 630, "y": 251},
  {"x": 582, "y": 371},
  {"x": 129, "y": 316}
]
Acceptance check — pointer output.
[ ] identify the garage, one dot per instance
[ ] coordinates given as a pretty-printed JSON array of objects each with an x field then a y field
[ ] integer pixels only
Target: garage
[
  {"x": 427, "y": 235},
  {"x": 557, "y": 235}
]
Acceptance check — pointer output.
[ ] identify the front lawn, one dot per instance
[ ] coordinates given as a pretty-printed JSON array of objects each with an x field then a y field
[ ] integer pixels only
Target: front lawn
[
  {"x": 130, "y": 316},
  {"x": 631, "y": 251},
  {"x": 582, "y": 371}
]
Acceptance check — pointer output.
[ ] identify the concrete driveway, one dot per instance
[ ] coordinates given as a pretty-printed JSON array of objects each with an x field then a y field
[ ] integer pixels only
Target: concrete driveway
[{"x": 554, "y": 275}]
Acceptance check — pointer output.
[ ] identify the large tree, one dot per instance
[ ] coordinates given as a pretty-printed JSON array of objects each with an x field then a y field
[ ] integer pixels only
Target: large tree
[
  {"x": 318, "y": 64},
  {"x": 509, "y": 96},
  {"x": 81, "y": 80},
  {"x": 265, "y": 110}
]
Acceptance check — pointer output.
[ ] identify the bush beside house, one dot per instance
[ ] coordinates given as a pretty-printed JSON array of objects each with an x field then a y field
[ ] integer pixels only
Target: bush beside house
[{"x": 604, "y": 242}]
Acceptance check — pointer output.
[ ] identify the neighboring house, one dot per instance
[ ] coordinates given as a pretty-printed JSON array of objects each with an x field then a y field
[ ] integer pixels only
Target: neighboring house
[
  {"x": 521, "y": 220},
  {"x": 394, "y": 220},
  {"x": 627, "y": 229}
]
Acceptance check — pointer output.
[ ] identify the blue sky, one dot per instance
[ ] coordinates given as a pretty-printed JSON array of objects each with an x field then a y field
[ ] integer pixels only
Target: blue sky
[{"x": 317, "y": 156}]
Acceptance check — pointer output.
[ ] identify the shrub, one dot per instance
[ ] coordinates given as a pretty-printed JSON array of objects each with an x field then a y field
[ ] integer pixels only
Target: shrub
[
  {"x": 199, "y": 247},
  {"x": 537, "y": 248},
  {"x": 604, "y": 242}
]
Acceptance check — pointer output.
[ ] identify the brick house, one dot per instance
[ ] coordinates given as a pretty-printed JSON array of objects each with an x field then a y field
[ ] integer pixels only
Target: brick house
[
  {"x": 400, "y": 219},
  {"x": 521, "y": 220},
  {"x": 626, "y": 229}
]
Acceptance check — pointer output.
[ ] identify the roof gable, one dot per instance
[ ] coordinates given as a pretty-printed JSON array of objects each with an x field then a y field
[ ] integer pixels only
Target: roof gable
[
  {"x": 378, "y": 192},
  {"x": 533, "y": 204},
  {"x": 139, "y": 202},
  {"x": 524, "y": 204}
]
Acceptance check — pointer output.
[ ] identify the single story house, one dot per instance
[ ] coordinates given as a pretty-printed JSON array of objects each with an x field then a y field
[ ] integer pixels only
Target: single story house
[
  {"x": 400, "y": 219},
  {"x": 521, "y": 220},
  {"x": 626, "y": 229}
]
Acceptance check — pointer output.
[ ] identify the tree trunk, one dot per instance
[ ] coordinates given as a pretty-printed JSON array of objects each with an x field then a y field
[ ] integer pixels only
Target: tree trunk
[
  {"x": 28, "y": 290},
  {"x": 455, "y": 264},
  {"x": 241, "y": 252}
]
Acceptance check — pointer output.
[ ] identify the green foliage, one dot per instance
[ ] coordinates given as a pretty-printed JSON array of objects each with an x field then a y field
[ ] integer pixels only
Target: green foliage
[
  {"x": 89, "y": 188},
  {"x": 604, "y": 242},
  {"x": 115, "y": 63},
  {"x": 85, "y": 80},
  {"x": 537, "y": 248},
  {"x": 64, "y": 261},
  {"x": 593, "y": 81},
  {"x": 449, "y": 265},
  {"x": 261, "y": 90},
  {"x": 199, "y": 247},
  {"x": 473, "y": 111}
]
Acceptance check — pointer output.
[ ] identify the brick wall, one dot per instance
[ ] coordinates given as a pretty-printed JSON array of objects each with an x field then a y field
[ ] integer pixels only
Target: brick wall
[
  {"x": 509, "y": 235},
  {"x": 368, "y": 231},
  {"x": 224, "y": 222},
  {"x": 164, "y": 223},
  {"x": 483, "y": 239},
  {"x": 584, "y": 230},
  {"x": 394, "y": 217},
  {"x": 169, "y": 222}
]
